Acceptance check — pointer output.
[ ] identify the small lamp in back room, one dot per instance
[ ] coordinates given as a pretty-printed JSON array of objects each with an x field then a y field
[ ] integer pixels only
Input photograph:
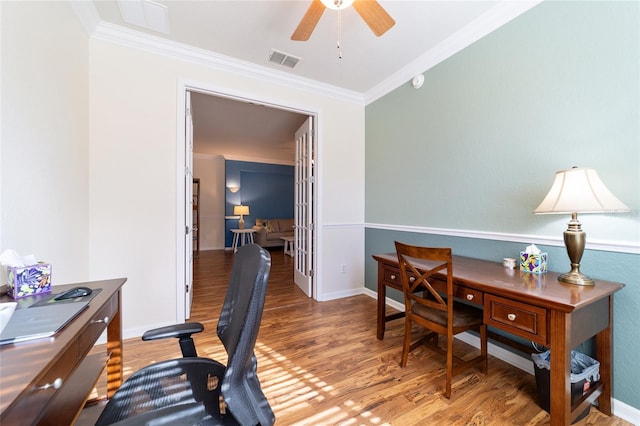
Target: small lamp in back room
[
  {"x": 240, "y": 211},
  {"x": 578, "y": 190}
]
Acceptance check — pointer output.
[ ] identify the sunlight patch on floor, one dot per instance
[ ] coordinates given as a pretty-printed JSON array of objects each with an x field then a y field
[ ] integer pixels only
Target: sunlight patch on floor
[{"x": 290, "y": 388}]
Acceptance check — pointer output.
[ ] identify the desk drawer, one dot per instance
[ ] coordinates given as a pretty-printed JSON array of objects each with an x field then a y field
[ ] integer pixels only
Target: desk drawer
[
  {"x": 518, "y": 318},
  {"x": 97, "y": 324},
  {"x": 468, "y": 294},
  {"x": 392, "y": 277}
]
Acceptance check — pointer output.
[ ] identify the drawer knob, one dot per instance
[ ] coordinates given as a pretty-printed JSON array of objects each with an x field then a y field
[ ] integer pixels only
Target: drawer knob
[
  {"x": 57, "y": 384},
  {"x": 469, "y": 296},
  {"x": 393, "y": 277},
  {"x": 512, "y": 317},
  {"x": 100, "y": 321}
]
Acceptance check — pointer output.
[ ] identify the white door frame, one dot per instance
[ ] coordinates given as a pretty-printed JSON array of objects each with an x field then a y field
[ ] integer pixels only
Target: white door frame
[
  {"x": 197, "y": 86},
  {"x": 188, "y": 188}
]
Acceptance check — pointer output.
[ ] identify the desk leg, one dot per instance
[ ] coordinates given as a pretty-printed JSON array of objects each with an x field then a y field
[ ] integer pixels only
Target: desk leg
[
  {"x": 604, "y": 350},
  {"x": 560, "y": 374},
  {"x": 114, "y": 349},
  {"x": 382, "y": 301}
]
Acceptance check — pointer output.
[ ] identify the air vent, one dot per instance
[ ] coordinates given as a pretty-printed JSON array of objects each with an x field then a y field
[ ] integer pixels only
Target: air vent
[{"x": 283, "y": 59}]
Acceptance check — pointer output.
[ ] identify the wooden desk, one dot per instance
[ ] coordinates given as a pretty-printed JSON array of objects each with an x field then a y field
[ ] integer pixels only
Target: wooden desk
[
  {"x": 27, "y": 367},
  {"x": 537, "y": 308}
]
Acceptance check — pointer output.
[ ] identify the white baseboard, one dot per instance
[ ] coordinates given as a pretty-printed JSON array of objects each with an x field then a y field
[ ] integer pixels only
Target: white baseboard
[
  {"x": 619, "y": 408},
  {"x": 340, "y": 294},
  {"x": 625, "y": 412}
]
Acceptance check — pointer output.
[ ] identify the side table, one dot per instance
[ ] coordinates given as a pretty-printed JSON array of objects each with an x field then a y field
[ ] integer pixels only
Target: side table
[
  {"x": 242, "y": 236},
  {"x": 288, "y": 245}
]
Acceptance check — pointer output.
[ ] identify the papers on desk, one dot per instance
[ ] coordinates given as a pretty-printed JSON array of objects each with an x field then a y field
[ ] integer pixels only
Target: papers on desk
[{"x": 37, "y": 322}]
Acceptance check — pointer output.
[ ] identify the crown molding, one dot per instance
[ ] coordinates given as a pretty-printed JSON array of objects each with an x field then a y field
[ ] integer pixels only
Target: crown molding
[
  {"x": 207, "y": 156},
  {"x": 486, "y": 23},
  {"x": 258, "y": 160},
  {"x": 104, "y": 31},
  {"x": 225, "y": 157},
  {"x": 497, "y": 16}
]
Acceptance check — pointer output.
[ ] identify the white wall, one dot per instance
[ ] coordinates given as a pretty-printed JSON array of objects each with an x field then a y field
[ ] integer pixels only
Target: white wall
[
  {"x": 90, "y": 160},
  {"x": 210, "y": 170},
  {"x": 45, "y": 137},
  {"x": 133, "y": 174}
]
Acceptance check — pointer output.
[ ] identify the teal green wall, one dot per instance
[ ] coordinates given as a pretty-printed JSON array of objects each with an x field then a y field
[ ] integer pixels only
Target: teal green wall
[{"x": 476, "y": 148}]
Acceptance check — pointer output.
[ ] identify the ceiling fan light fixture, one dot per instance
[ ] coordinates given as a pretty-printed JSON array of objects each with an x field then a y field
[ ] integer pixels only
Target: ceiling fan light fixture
[{"x": 337, "y": 4}]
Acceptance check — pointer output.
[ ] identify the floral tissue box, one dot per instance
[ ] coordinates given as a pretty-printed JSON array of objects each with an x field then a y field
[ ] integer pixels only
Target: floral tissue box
[
  {"x": 535, "y": 263},
  {"x": 29, "y": 280}
]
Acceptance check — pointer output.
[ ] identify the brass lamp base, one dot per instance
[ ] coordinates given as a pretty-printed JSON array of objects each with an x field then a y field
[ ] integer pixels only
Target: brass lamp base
[
  {"x": 575, "y": 240},
  {"x": 577, "y": 278}
]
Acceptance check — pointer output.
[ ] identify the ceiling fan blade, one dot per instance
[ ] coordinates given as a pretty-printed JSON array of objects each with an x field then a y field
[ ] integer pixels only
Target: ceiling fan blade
[
  {"x": 308, "y": 22},
  {"x": 374, "y": 16}
]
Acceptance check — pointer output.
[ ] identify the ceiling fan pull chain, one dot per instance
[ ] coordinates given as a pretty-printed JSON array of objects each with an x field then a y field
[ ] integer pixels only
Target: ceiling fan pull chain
[{"x": 339, "y": 33}]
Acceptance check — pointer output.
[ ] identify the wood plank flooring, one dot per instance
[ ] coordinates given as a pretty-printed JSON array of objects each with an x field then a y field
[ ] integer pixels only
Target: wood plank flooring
[{"x": 321, "y": 364}]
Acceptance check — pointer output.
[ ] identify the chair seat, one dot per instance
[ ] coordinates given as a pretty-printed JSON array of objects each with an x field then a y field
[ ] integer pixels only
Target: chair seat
[{"x": 463, "y": 315}]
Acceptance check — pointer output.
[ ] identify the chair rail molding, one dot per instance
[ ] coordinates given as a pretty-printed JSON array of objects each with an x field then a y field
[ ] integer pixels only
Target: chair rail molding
[{"x": 601, "y": 245}]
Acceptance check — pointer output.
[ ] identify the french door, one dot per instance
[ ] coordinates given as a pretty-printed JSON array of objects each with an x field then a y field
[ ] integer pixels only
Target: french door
[{"x": 304, "y": 208}]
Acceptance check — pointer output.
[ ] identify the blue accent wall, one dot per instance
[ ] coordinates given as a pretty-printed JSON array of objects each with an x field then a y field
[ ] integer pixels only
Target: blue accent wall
[
  {"x": 268, "y": 190},
  {"x": 476, "y": 148}
]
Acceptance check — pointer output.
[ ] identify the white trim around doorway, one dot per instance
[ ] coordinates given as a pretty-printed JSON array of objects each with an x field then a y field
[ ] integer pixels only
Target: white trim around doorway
[{"x": 198, "y": 86}]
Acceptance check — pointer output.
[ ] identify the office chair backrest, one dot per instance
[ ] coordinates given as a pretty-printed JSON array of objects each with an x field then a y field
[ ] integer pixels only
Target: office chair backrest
[
  {"x": 151, "y": 391},
  {"x": 238, "y": 328}
]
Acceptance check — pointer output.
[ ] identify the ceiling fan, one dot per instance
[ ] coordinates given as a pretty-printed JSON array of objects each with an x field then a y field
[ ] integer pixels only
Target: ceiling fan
[{"x": 369, "y": 10}]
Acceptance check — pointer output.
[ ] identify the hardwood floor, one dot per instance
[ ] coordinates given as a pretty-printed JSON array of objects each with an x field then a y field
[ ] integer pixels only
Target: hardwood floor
[{"x": 321, "y": 364}]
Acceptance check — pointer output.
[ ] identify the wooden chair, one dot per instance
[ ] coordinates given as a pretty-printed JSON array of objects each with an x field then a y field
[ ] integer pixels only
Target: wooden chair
[{"x": 425, "y": 306}]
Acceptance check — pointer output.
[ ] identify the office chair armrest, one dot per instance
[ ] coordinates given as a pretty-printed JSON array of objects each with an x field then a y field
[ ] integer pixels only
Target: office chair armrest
[
  {"x": 182, "y": 332},
  {"x": 176, "y": 330}
]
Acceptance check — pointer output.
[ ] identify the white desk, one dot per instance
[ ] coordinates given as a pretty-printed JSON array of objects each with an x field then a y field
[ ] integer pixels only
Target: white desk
[{"x": 242, "y": 236}]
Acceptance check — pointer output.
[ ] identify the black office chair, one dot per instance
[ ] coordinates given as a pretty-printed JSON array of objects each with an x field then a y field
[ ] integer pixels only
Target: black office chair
[{"x": 175, "y": 391}]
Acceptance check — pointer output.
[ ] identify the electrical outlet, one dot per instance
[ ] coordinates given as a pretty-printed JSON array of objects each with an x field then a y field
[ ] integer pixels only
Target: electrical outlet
[{"x": 343, "y": 268}]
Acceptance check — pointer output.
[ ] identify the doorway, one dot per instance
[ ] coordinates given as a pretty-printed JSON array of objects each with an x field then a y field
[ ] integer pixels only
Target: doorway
[{"x": 238, "y": 102}]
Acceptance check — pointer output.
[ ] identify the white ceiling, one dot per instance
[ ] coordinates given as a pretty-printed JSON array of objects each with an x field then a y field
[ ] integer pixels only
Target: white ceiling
[
  {"x": 243, "y": 131},
  {"x": 244, "y": 33}
]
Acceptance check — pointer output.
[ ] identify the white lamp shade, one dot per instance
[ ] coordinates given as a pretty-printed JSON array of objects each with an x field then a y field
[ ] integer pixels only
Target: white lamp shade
[
  {"x": 240, "y": 210},
  {"x": 579, "y": 190}
]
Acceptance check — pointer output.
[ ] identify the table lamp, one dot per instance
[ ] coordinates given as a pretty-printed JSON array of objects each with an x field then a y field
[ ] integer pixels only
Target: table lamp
[
  {"x": 578, "y": 190},
  {"x": 240, "y": 211}
]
